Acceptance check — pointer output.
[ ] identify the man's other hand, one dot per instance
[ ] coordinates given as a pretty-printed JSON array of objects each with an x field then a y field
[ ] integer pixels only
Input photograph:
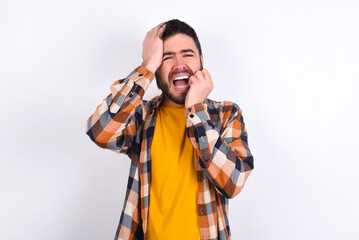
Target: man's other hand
[
  {"x": 200, "y": 87},
  {"x": 152, "y": 48}
]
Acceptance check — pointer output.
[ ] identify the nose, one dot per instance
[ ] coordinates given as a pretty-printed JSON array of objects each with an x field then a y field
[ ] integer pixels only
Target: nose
[{"x": 179, "y": 63}]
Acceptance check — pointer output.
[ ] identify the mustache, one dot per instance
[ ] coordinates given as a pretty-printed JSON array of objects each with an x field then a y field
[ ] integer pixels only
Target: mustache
[{"x": 171, "y": 74}]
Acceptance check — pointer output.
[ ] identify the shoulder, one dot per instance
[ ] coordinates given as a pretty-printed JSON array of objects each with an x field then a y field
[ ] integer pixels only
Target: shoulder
[
  {"x": 222, "y": 113},
  {"x": 223, "y": 107},
  {"x": 147, "y": 105}
]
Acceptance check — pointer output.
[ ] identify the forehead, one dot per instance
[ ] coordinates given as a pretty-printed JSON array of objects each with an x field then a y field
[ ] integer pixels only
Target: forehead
[{"x": 178, "y": 42}]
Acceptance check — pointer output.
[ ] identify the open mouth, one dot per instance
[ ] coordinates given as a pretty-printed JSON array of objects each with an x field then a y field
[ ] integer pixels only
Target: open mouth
[{"x": 180, "y": 81}]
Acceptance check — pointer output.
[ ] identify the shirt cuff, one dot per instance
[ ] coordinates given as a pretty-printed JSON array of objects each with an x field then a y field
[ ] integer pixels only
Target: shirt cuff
[
  {"x": 197, "y": 113},
  {"x": 141, "y": 76},
  {"x": 144, "y": 72}
]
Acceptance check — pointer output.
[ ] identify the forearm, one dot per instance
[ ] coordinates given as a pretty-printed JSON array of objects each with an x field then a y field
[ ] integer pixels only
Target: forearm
[
  {"x": 224, "y": 155},
  {"x": 114, "y": 117}
]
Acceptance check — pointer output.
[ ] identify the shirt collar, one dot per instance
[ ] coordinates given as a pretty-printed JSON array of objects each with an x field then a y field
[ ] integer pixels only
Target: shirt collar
[{"x": 157, "y": 101}]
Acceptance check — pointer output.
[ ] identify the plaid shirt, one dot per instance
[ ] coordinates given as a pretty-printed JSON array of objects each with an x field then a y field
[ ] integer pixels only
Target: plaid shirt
[{"x": 125, "y": 123}]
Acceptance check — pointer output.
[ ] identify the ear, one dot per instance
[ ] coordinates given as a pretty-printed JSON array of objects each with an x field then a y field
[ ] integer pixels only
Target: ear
[{"x": 202, "y": 59}]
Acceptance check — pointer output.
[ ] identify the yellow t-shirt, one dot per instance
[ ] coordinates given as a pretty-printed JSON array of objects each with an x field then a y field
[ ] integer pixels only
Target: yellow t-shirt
[{"x": 173, "y": 188}]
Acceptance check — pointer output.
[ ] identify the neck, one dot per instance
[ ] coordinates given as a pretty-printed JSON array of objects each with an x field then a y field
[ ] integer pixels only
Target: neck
[{"x": 172, "y": 102}]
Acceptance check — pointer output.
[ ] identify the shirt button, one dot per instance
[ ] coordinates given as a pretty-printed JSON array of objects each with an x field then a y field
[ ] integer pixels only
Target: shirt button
[
  {"x": 130, "y": 95},
  {"x": 191, "y": 116}
]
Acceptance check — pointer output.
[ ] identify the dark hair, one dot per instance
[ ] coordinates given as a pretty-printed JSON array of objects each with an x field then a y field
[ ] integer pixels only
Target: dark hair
[{"x": 175, "y": 26}]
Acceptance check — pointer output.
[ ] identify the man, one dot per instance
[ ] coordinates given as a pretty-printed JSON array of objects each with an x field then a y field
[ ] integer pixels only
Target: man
[{"x": 189, "y": 154}]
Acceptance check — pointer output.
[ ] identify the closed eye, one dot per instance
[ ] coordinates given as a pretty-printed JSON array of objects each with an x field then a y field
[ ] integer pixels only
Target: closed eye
[{"x": 167, "y": 58}]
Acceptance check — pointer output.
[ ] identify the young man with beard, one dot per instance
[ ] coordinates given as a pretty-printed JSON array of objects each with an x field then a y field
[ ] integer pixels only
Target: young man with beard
[{"x": 189, "y": 154}]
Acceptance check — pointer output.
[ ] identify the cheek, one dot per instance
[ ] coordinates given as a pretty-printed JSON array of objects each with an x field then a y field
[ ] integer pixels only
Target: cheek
[
  {"x": 162, "y": 76},
  {"x": 195, "y": 66},
  {"x": 163, "y": 71}
]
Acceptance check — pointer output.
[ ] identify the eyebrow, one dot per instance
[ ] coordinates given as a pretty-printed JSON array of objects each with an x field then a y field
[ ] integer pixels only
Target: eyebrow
[{"x": 182, "y": 51}]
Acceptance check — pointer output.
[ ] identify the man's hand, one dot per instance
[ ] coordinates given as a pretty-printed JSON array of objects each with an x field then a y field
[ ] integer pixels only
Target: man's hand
[
  {"x": 200, "y": 87},
  {"x": 152, "y": 48}
]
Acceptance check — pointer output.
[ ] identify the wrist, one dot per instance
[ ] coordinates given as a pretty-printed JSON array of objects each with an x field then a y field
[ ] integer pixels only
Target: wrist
[
  {"x": 188, "y": 105},
  {"x": 193, "y": 102},
  {"x": 149, "y": 66},
  {"x": 195, "y": 108}
]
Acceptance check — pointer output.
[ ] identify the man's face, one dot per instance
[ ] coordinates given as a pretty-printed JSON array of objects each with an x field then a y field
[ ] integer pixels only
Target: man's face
[{"x": 180, "y": 60}]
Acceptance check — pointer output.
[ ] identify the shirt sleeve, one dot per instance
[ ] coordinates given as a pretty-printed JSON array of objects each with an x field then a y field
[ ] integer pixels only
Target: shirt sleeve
[
  {"x": 116, "y": 120},
  {"x": 224, "y": 155}
]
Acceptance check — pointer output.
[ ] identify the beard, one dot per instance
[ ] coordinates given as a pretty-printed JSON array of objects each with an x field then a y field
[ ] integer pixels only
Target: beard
[{"x": 163, "y": 84}]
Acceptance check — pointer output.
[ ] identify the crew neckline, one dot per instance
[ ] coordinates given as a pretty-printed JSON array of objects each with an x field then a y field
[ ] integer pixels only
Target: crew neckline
[{"x": 166, "y": 104}]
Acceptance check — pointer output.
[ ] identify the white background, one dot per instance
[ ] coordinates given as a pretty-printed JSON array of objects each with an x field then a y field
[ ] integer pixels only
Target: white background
[{"x": 292, "y": 66}]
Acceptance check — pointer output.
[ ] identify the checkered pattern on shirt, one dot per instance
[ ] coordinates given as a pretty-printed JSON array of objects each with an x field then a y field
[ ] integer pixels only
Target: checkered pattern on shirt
[{"x": 125, "y": 123}]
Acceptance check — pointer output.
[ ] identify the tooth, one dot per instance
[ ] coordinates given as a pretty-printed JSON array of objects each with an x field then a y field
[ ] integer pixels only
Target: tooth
[{"x": 181, "y": 77}]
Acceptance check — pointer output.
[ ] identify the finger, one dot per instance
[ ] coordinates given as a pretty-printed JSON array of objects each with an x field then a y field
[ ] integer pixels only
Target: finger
[
  {"x": 159, "y": 26},
  {"x": 161, "y": 30},
  {"x": 199, "y": 75},
  {"x": 208, "y": 79},
  {"x": 154, "y": 30},
  {"x": 206, "y": 75},
  {"x": 192, "y": 79}
]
